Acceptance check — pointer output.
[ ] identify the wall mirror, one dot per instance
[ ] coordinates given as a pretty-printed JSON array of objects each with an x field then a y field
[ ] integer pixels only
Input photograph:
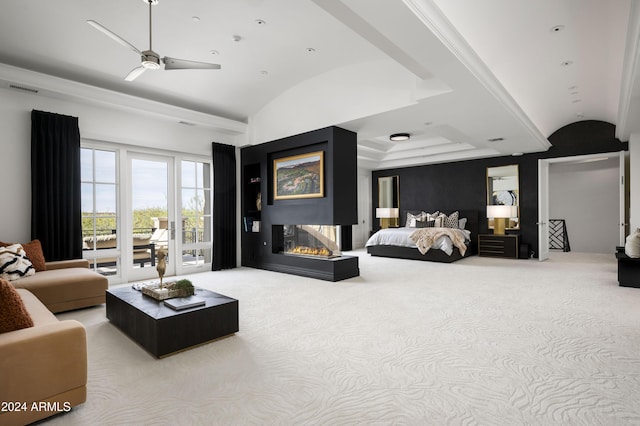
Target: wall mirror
[
  {"x": 503, "y": 189},
  {"x": 388, "y": 210}
]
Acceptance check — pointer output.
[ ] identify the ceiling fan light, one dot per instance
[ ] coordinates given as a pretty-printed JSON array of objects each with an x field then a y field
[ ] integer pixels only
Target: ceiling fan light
[
  {"x": 150, "y": 65},
  {"x": 150, "y": 60},
  {"x": 396, "y": 137}
]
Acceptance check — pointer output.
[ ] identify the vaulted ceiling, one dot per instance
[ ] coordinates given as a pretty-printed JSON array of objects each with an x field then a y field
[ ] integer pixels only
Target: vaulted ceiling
[{"x": 466, "y": 79}]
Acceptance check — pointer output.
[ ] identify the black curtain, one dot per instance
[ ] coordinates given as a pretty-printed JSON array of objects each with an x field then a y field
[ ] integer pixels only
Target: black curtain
[
  {"x": 224, "y": 207},
  {"x": 56, "y": 212}
]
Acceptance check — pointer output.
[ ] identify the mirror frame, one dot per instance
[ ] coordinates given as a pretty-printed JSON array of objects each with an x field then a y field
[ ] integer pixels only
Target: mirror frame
[{"x": 507, "y": 195}]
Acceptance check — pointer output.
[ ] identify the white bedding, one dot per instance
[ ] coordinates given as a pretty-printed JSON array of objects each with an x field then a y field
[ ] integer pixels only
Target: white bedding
[{"x": 400, "y": 237}]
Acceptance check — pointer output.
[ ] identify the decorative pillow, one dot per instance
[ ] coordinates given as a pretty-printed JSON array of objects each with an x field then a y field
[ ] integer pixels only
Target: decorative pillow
[
  {"x": 14, "y": 263},
  {"x": 33, "y": 249},
  {"x": 462, "y": 223},
  {"x": 444, "y": 221},
  {"x": 412, "y": 219},
  {"x": 426, "y": 224},
  {"x": 431, "y": 216},
  {"x": 632, "y": 246},
  {"x": 13, "y": 314}
]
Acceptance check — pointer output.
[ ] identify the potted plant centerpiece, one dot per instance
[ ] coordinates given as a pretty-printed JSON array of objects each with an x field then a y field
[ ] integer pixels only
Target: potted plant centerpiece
[{"x": 162, "y": 291}]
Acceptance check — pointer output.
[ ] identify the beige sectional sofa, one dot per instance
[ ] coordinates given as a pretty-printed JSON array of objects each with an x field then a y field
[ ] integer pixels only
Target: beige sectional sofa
[
  {"x": 45, "y": 364},
  {"x": 66, "y": 285}
]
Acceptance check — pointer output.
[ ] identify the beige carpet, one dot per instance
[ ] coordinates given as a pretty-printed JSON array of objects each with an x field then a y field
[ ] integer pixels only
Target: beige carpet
[{"x": 481, "y": 341}]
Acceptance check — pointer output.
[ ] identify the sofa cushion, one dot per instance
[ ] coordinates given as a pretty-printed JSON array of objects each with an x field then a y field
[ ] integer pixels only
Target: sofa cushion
[
  {"x": 64, "y": 289},
  {"x": 34, "y": 253},
  {"x": 13, "y": 314},
  {"x": 14, "y": 263},
  {"x": 37, "y": 310}
]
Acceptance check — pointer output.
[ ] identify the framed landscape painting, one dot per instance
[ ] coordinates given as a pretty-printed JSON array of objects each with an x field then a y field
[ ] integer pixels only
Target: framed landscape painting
[{"x": 299, "y": 176}]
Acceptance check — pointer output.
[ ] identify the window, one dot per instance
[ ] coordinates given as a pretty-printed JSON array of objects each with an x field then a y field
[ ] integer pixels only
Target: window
[
  {"x": 196, "y": 213},
  {"x": 99, "y": 209}
]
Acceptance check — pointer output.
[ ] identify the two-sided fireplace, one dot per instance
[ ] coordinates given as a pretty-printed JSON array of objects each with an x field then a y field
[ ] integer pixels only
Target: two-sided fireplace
[{"x": 319, "y": 241}]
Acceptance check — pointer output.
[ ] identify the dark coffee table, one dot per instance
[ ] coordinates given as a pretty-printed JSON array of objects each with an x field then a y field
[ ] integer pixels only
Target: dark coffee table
[{"x": 162, "y": 330}]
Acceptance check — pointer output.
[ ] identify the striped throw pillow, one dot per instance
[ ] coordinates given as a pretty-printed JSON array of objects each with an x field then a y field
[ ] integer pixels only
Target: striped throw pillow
[{"x": 14, "y": 263}]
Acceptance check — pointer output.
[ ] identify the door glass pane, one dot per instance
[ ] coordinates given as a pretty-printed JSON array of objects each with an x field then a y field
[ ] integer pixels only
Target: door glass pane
[
  {"x": 200, "y": 174},
  {"x": 99, "y": 193},
  {"x": 149, "y": 191},
  {"x": 188, "y": 174},
  {"x": 196, "y": 213},
  {"x": 86, "y": 165},
  {"x": 196, "y": 257},
  {"x": 105, "y": 166}
]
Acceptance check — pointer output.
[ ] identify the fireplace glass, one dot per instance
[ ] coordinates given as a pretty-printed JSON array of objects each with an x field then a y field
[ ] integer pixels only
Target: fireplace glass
[{"x": 311, "y": 240}]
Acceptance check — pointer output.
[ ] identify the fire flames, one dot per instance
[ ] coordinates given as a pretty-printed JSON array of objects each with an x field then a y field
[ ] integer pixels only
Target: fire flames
[{"x": 311, "y": 251}]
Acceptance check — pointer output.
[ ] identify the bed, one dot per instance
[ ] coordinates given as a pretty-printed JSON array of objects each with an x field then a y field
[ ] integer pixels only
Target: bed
[{"x": 397, "y": 242}]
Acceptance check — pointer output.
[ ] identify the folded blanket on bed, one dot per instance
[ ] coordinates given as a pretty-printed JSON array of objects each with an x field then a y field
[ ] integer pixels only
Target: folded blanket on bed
[{"x": 425, "y": 237}]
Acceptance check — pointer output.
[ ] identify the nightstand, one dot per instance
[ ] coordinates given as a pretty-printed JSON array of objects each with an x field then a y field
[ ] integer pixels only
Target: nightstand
[{"x": 491, "y": 245}]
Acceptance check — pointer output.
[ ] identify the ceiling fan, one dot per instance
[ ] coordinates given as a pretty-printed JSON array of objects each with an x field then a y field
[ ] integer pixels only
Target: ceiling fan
[{"x": 150, "y": 59}]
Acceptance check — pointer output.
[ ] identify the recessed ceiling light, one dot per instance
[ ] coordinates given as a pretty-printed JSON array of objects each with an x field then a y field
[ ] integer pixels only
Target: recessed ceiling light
[
  {"x": 428, "y": 123},
  {"x": 575, "y": 101},
  {"x": 557, "y": 28},
  {"x": 397, "y": 137},
  {"x": 310, "y": 50},
  {"x": 236, "y": 38},
  {"x": 566, "y": 63},
  {"x": 260, "y": 21},
  {"x": 575, "y": 93},
  {"x": 214, "y": 52},
  {"x": 580, "y": 115},
  {"x": 573, "y": 88},
  {"x": 495, "y": 139},
  {"x": 195, "y": 19},
  {"x": 264, "y": 72}
]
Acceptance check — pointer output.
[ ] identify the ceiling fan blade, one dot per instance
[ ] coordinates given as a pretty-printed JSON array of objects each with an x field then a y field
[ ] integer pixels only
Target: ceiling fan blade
[
  {"x": 113, "y": 36},
  {"x": 135, "y": 73},
  {"x": 182, "y": 64}
]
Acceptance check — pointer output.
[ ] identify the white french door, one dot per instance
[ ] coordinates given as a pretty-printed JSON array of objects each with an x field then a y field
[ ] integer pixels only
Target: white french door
[
  {"x": 543, "y": 210},
  {"x": 622, "y": 215},
  {"x": 151, "y": 216},
  {"x": 136, "y": 203}
]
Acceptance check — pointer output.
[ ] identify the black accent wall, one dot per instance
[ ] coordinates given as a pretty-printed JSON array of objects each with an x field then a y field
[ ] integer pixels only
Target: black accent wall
[
  {"x": 462, "y": 185},
  {"x": 338, "y": 206}
]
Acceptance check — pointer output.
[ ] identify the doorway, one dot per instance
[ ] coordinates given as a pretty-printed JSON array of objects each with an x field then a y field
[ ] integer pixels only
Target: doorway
[
  {"x": 136, "y": 203},
  {"x": 589, "y": 190}
]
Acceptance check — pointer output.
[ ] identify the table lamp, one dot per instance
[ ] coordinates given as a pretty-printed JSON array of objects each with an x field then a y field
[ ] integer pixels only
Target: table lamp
[
  {"x": 388, "y": 216},
  {"x": 500, "y": 216}
]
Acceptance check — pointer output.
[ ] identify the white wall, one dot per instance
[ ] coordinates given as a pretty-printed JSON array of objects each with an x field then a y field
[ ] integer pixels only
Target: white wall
[
  {"x": 586, "y": 195},
  {"x": 95, "y": 122}
]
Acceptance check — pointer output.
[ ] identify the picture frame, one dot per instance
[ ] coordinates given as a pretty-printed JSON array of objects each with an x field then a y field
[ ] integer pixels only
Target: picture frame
[{"x": 299, "y": 176}]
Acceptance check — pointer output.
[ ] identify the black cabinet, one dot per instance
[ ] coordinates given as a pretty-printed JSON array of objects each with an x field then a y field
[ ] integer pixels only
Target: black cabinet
[{"x": 498, "y": 245}]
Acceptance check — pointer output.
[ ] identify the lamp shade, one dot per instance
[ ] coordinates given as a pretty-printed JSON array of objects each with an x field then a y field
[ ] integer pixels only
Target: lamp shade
[
  {"x": 501, "y": 211},
  {"x": 386, "y": 212}
]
